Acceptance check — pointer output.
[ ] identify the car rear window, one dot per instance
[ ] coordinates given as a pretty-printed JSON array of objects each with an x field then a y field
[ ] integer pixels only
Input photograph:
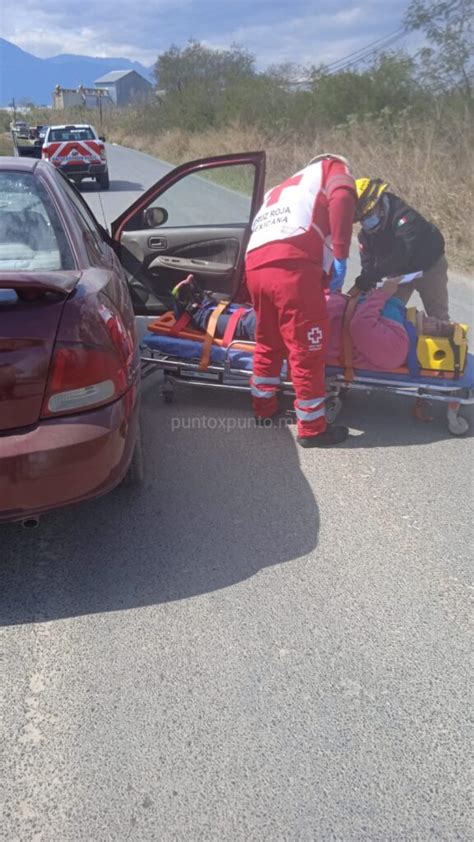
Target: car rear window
[
  {"x": 61, "y": 135},
  {"x": 31, "y": 235}
]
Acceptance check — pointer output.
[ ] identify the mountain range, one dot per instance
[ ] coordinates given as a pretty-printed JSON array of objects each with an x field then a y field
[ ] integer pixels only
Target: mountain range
[{"x": 27, "y": 78}]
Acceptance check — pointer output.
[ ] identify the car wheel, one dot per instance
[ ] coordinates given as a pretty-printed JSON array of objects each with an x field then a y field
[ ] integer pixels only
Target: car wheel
[
  {"x": 135, "y": 473},
  {"x": 104, "y": 181}
]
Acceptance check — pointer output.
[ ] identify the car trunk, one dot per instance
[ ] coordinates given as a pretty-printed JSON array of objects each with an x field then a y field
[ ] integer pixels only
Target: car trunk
[
  {"x": 76, "y": 152},
  {"x": 30, "y": 312}
]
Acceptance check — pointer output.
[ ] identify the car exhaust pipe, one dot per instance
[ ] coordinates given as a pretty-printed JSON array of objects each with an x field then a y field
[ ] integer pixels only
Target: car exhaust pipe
[{"x": 30, "y": 522}]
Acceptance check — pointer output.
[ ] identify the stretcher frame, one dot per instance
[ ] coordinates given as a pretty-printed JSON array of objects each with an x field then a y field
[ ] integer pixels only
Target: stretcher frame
[{"x": 226, "y": 376}]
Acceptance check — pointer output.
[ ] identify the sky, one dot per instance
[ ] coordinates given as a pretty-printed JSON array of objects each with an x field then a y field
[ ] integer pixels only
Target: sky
[{"x": 274, "y": 31}]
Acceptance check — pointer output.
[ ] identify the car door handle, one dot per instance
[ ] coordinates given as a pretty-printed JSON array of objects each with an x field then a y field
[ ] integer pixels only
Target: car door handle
[
  {"x": 190, "y": 264},
  {"x": 157, "y": 243}
]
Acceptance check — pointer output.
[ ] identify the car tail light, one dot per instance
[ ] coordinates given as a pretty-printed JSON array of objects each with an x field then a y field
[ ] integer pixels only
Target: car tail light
[
  {"x": 103, "y": 154},
  {"x": 44, "y": 152},
  {"x": 81, "y": 378}
]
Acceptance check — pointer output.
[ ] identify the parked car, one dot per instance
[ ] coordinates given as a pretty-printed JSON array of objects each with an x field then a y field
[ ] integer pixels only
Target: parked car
[
  {"x": 78, "y": 151},
  {"x": 69, "y": 356},
  {"x": 20, "y": 127},
  {"x": 38, "y": 134}
]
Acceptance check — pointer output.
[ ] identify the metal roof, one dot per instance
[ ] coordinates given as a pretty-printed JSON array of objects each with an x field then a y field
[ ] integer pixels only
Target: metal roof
[{"x": 113, "y": 76}]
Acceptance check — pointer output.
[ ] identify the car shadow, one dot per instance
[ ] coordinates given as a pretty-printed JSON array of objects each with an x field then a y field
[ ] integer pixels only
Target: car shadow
[
  {"x": 222, "y": 500},
  {"x": 116, "y": 186},
  {"x": 125, "y": 186}
]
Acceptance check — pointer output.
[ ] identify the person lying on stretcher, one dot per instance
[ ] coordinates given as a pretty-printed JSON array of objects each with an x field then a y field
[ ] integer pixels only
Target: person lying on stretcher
[{"x": 378, "y": 331}]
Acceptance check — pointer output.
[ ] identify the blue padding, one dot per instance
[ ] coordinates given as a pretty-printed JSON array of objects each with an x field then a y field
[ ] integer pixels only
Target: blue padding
[
  {"x": 465, "y": 381},
  {"x": 187, "y": 350}
]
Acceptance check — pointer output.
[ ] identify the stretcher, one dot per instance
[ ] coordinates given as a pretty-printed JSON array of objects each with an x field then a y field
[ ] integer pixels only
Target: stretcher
[{"x": 187, "y": 355}]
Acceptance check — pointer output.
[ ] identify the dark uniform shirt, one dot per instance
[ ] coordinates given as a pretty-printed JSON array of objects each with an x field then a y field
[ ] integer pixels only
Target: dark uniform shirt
[{"x": 406, "y": 243}]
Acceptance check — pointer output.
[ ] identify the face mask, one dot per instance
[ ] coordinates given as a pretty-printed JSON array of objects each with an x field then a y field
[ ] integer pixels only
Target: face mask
[{"x": 370, "y": 222}]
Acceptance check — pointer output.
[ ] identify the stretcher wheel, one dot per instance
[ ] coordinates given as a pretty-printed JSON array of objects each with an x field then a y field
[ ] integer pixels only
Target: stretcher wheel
[
  {"x": 167, "y": 391},
  {"x": 457, "y": 425},
  {"x": 333, "y": 408}
]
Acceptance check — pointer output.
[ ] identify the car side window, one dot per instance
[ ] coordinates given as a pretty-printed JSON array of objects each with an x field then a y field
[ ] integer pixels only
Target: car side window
[
  {"x": 97, "y": 247},
  {"x": 218, "y": 195}
]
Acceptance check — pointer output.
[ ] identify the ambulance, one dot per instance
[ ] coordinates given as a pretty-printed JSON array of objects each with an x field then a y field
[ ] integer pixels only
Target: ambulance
[{"x": 78, "y": 152}]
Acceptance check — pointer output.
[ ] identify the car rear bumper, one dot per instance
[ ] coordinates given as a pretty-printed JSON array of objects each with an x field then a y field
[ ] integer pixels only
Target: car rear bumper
[
  {"x": 83, "y": 170},
  {"x": 66, "y": 460}
]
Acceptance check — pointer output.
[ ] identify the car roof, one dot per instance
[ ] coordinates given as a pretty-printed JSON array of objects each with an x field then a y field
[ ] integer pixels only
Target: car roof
[
  {"x": 72, "y": 126},
  {"x": 19, "y": 164}
]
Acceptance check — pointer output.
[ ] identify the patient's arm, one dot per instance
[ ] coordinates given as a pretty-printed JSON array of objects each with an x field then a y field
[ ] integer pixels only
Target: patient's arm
[
  {"x": 431, "y": 326},
  {"x": 382, "y": 341}
]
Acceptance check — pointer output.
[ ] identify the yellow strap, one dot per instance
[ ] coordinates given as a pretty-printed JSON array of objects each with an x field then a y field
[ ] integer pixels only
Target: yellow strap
[
  {"x": 458, "y": 334},
  {"x": 210, "y": 333},
  {"x": 346, "y": 344}
]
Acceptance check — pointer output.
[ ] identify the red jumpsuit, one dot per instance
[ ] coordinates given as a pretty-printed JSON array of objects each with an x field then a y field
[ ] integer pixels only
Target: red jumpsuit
[{"x": 302, "y": 224}]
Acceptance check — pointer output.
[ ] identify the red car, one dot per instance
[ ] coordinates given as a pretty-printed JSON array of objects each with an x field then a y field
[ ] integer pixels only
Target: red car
[{"x": 69, "y": 355}]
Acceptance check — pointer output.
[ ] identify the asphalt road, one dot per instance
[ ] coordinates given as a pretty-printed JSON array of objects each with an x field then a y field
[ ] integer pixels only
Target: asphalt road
[{"x": 263, "y": 643}]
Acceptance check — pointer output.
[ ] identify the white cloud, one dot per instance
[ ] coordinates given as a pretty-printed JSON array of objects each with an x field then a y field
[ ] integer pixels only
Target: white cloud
[
  {"x": 273, "y": 30},
  {"x": 312, "y": 39},
  {"x": 83, "y": 42}
]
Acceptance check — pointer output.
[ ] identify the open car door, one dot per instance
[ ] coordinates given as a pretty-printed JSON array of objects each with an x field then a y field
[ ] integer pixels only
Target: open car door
[{"x": 197, "y": 219}]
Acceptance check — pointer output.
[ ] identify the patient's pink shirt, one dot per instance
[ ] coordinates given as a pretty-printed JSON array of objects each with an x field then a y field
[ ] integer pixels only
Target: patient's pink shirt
[{"x": 378, "y": 343}]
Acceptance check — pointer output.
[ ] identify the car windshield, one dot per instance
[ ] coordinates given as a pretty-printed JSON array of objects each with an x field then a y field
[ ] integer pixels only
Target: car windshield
[
  {"x": 71, "y": 133},
  {"x": 31, "y": 236}
]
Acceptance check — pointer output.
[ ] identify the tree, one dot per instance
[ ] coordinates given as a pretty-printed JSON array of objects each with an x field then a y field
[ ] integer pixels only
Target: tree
[
  {"x": 262, "y": 102},
  {"x": 338, "y": 95},
  {"x": 290, "y": 75},
  {"x": 394, "y": 86},
  {"x": 177, "y": 68},
  {"x": 447, "y": 64}
]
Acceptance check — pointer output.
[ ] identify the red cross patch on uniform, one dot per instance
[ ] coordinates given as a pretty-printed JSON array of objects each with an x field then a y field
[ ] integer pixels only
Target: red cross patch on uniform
[{"x": 402, "y": 221}]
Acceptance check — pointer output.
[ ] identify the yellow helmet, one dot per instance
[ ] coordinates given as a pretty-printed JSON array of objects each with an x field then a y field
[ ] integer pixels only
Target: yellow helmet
[{"x": 369, "y": 191}]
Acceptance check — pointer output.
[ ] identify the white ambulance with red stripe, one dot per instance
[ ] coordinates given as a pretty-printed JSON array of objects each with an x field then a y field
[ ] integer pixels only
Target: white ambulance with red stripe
[{"x": 78, "y": 151}]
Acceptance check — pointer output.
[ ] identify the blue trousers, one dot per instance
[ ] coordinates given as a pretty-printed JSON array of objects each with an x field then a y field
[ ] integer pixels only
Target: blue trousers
[{"x": 245, "y": 328}]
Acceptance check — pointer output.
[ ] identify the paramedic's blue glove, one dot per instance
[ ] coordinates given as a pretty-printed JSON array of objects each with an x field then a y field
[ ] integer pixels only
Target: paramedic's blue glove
[{"x": 339, "y": 269}]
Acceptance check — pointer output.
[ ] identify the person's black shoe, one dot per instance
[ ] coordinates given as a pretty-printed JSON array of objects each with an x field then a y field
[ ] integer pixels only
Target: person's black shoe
[{"x": 330, "y": 437}]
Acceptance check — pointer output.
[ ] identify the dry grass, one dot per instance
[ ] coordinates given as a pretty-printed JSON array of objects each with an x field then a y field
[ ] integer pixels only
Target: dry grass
[
  {"x": 432, "y": 171},
  {"x": 430, "y": 163},
  {"x": 6, "y": 146}
]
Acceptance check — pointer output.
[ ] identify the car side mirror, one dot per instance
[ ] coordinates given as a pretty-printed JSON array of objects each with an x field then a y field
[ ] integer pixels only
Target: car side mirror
[
  {"x": 102, "y": 138},
  {"x": 154, "y": 217}
]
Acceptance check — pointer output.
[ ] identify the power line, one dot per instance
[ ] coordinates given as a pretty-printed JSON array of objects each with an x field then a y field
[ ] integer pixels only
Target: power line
[
  {"x": 369, "y": 54},
  {"x": 363, "y": 52},
  {"x": 373, "y": 45}
]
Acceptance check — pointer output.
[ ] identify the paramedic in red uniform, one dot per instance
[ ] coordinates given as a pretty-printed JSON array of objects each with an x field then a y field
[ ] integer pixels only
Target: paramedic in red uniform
[{"x": 301, "y": 233}]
